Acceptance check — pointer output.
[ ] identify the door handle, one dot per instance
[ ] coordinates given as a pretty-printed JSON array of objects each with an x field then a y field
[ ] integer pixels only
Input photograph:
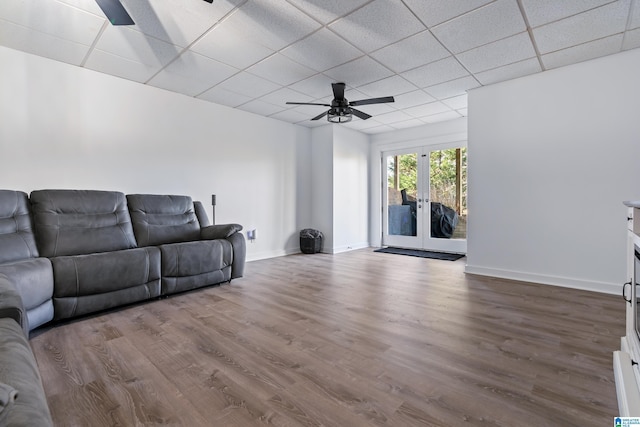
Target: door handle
[{"x": 624, "y": 295}]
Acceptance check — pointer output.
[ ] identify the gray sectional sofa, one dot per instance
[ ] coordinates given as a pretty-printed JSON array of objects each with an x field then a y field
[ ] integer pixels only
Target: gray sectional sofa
[{"x": 69, "y": 253}]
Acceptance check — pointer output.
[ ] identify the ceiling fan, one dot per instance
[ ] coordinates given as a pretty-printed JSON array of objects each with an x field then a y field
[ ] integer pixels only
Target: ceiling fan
[{"x": 340, "y": 110}]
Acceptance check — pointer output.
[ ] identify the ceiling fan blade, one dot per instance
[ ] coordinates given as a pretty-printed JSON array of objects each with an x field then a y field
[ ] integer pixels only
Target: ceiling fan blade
[
  {"x": 319, "y": 116},
  {"x": 115, "y": 12},
  {"x": 308, "y": 103},
  {"x": 373, "y": 101},
  {"x": 338, "y": 90},
  {"x": 363, "y": 116}
]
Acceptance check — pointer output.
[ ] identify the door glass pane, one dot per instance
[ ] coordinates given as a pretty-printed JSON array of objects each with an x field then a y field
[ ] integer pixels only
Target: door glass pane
[
  {"x": 402, "y": 187},
  {"x": 448, "y": 193}
]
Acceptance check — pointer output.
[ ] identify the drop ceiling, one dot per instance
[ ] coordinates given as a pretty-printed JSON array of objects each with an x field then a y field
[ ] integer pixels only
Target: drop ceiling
[{"x": 254, "y": 55}]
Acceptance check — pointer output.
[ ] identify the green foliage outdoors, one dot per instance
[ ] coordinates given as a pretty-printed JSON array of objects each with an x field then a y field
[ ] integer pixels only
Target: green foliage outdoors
[{"x": 442, "y": 167}]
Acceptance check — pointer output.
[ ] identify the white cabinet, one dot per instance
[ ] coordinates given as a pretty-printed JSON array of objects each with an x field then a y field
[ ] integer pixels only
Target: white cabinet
[{"x": 625, "y": 361}]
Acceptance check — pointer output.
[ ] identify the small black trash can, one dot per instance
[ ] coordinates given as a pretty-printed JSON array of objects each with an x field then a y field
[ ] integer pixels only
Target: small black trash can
[{"x": 310, "y": 241}]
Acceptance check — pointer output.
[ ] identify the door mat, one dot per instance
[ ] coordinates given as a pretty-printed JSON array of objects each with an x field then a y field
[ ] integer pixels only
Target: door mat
[{"x": 421, "y": 254}]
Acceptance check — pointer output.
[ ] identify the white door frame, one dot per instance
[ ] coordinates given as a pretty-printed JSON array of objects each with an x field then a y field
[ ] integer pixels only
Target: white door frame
[{"x": 423, "y": 240}]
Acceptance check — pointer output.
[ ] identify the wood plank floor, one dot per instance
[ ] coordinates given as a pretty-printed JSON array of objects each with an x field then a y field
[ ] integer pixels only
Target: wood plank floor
[{"x": 354, "y": 339}]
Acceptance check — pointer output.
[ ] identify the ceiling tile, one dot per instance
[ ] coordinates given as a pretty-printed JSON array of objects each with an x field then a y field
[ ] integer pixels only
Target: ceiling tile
[
  {"x": 318, "y": 86},
  {"x": 393, "y": 117},
  {"x": 53, "y": 18},
  {"x": 363, "y": 124},
  {"x": 322, "y": 50},
  {"x": 433, "y": 12},
  {"x": 411, "y": 99},
  {"x": 452, "y": 88},
  {"x": 282, "y": 96},
  {"x": 442, "y": 117},
  {"x": 280, "y": 69},
  {"x": 594, "y": 24},
  {"x": 271, "y": 23},
  {"x": 631, "y": 39},
  {"x": 176, "y": 21},
  {"x": 27, "y": 40},
  {"x": 309, "y": 111},
  {"x": 436, "y": 72},
  {"x": 487, "y": 24},
  {"x": 511, "y": 71},
  {"x": 377, "y": 109},
  {"x": 260, "y": 107},
  {"x": 249, "y": 85},
  {"x": 377, "y": 24},
  {"x": 90, "y": 6},
  {"x": 115, "y": 65},
  {"x": 135, "y": 46},
  {"x": 359, "y": 72},
  {"x": 377, "y": 129},
  {"x": 583, "y": 52},
  {"x": 326, "y": 11},
  {"x": 290, "y": 116},
  {"x": 463, "y": 112},
  {"x": 192, "y": 74},
  {"x": 411, "y": 52},
  {"x": 407, "y": 124},
  {"x": 427, "y": 109},
  {"x": 390, "y": 86},
  {"x": 226, "y": 44},
  {"x": 456, "y": 102},
  {"x": 540, "y": 12},
  {"x": 224, "y": 97},
  {"x": 502, "y": 52}
]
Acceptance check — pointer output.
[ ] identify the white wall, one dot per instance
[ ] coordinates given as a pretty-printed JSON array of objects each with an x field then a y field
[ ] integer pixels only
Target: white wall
[
  {"x": 351, "y": 189},
  {"x": 433, "y": 134},
  {"x": 322, "y": 183},
  {"x": 340, "y": 176},
  {"x": 68, "y": 127},
  {"x": 551, "y": 158}
]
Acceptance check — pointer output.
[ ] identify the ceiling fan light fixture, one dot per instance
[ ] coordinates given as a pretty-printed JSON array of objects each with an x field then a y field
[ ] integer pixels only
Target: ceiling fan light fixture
[{"x": 340, "y": 115}]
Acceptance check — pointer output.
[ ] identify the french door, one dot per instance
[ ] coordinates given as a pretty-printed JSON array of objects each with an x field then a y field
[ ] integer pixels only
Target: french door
[{"x": 425, "y": 198}]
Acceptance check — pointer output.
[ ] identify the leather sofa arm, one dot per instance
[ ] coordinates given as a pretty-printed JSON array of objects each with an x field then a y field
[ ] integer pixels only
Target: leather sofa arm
[
  {"x": 11, "y": 304},
  {"x": 232, "y": 234},
  {"x": 221, "y": 231}
]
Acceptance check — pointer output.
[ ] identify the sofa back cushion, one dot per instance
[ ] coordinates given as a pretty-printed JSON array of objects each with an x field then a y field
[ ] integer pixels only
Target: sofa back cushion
[
  {"x": 17, "y": 241},
  {"x": 75, "y": 222},
  {"x": 160, "y": 219}
]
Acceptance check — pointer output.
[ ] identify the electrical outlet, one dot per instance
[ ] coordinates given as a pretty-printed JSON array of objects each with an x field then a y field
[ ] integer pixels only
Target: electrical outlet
[{"x": 251, "y": 234}]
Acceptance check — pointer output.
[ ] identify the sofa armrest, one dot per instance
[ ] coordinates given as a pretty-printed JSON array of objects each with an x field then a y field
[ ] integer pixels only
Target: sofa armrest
[
  {"x": 221, "y": 231},
  {"x": 231, "y": 233},
  {"x": 11, "y": 304}
]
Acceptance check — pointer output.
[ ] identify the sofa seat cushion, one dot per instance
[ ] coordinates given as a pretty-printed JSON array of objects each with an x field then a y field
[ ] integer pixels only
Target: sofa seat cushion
[
  {"x": 76, "y": 222},
  {"x": 33, "y": 280},
  {"x": 189, "y": 265},
  {"x": 19, "y": 370},
  {"x": 95, "y": 282}
]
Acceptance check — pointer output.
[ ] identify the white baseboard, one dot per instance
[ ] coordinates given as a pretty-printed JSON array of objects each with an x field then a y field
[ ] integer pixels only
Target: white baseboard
[
  {"x": 565, "y": 282},
  {"x": 290, "y": 251},
  {"x": 352, "y": 247},
  {"x": 271, "y": 254}
]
